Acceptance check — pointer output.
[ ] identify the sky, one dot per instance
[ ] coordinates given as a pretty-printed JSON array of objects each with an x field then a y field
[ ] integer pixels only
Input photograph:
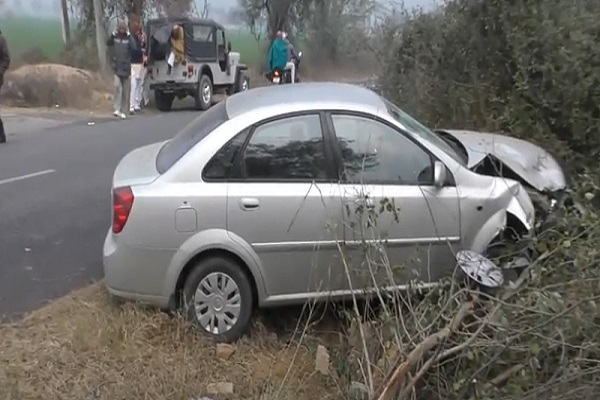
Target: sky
[{"x": 50, "y": 8}]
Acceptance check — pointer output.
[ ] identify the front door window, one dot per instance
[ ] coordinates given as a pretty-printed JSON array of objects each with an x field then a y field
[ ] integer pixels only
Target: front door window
[{"x": 398, "y": 226}]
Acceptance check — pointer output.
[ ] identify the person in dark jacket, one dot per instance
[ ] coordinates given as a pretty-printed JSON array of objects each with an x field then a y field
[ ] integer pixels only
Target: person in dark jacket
[
  {"x": 122, "y": 46},
  {"x": 4, "y": 64}
]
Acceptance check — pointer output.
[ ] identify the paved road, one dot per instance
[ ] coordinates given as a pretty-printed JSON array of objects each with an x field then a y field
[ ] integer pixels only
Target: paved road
[{"x": 55, "y": 175}]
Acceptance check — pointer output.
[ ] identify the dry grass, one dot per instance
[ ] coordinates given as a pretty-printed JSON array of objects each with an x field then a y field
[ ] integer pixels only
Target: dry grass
[{"x": 83, "y": 346}]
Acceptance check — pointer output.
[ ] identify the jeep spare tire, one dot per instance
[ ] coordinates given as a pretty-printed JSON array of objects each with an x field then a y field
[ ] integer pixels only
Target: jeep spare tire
[
  {"x": 204, "y": 92},
  {"x": 164, "y": 101}
]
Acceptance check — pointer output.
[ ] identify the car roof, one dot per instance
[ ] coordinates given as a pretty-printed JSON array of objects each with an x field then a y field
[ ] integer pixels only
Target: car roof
[
  {"x": 186, "y": 20},
  {"x": 305, "y": 96}
]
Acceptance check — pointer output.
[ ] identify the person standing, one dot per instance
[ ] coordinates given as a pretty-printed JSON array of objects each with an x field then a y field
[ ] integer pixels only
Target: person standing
[
  {"x": 278, "y": 53},
  {"x": 292, "y": 57},
  {"x": 122, "y": 45},
  {"x": 4, "y": 64},
  {"x": 137, "y": 66}
]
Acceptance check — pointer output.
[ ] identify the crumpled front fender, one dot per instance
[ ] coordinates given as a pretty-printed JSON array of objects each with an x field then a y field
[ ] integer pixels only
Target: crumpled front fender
[
  {"x": 518, "y": 206},
  {"x": 489, "y": 231},
  {"x": 526, "y": 218}
]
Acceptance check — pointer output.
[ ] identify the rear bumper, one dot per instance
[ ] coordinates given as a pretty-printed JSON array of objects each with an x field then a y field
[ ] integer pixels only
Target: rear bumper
[
  {"x": 174, "y": 87},
  {"x": 136, "y": 274}
]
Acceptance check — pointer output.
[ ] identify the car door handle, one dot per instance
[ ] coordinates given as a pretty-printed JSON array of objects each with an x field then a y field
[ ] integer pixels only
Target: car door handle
[{"x": 249, "y": 203}]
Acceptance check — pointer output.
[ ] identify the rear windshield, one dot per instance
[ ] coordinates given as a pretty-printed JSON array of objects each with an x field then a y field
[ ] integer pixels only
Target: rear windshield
[{"x": 190, "y": 136}]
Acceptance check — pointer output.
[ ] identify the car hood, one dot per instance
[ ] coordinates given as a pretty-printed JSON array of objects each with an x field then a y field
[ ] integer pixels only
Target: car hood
[{"x": 533, "y": 164}]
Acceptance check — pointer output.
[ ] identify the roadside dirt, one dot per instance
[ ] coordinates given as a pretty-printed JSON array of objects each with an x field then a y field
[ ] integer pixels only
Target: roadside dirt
[
  {"x": 55, "y": 85},
  {"x": 58, "y": 89},
  {"x": 83, "y": 346}
]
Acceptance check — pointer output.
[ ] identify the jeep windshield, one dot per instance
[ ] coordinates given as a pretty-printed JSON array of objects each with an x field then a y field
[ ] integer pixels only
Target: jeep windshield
[{"x": 173, "y": 150}]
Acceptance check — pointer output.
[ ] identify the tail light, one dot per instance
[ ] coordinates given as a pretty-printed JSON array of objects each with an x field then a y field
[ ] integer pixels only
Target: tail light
[
  {"x": 122, "y": 203},
  {"x": 276, "y": 73},
  {"x": 190, "y": 69}
]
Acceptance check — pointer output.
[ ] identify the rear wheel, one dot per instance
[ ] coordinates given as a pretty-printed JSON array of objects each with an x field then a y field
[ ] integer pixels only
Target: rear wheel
[
  {"x": 217, "y": 299},
  {"x": 243, "y": 83},
  {"x": 204, "y": 92},
  {"x": 164, "y": 101}
]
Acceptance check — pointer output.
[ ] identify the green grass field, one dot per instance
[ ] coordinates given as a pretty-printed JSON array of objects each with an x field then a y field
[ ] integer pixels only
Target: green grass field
[{"x": 24, "y": 33}]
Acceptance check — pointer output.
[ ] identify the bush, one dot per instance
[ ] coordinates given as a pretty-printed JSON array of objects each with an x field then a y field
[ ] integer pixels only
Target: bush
[
  {"x": 525, "y": 67},
  {"x": 536, "y": 338},
  {"x": 530, "y": 69}
]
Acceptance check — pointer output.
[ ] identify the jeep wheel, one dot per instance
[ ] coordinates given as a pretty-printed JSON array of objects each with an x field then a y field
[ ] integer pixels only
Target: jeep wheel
[
  {"x": 164, "y": 101},
  {"x": 217, "y": 299},
  {"x": 204, "y": 92},
  {"x": 243, "y": 83}
]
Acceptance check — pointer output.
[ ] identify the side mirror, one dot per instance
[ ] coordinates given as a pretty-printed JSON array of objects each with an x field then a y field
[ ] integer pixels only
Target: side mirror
[
  {"x": 229, "y": 46},
  {"x": 439, "y": 174},
  {"x": 300, "y": 54}
]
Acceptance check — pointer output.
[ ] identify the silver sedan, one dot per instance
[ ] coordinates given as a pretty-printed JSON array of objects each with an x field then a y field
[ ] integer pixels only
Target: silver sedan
[{"x": 254, "y": 204}]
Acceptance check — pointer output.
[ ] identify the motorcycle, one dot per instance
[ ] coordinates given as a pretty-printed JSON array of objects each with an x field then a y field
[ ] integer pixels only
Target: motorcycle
[{"x": 280, "y": 77}]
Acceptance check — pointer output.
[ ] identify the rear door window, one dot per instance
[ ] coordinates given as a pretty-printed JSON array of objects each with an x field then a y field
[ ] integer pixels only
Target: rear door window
[
  {"x": 191, "y": 135},
  {"x": 288, "y": 149}
]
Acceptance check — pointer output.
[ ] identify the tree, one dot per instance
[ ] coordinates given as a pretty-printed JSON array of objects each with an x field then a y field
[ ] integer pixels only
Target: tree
[
  {"x": 205, "y": 9},
  {"x": 100, "y": 34},
  {"x": 333, "y": 27},
  {"x": 287, "y": 15},
  {"x": 66, "y": 25}
]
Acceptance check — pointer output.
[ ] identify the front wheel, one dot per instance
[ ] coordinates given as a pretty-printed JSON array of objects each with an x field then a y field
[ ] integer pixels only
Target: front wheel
[
  {"x": 164, "y": 101},
  {"x": 512, "y": 256},
  {"x": 217, "y": 299},
  {"x": 204, "y": 92}
]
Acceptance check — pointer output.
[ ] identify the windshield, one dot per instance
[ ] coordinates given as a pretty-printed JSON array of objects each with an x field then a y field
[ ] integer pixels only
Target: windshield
[
  {"x": 190, "y": 136},
  {"x": 419, "y": 129}
]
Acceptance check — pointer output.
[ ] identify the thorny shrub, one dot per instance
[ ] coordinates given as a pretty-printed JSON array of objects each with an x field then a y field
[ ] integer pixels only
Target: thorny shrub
[
  {"x": 530, "y": 69},
  {"x": 536, "y": 338}
]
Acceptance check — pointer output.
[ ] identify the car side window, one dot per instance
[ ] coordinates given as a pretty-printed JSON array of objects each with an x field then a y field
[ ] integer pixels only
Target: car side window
[
  {"x": 221, "y": 166},
  {"x": 373, "y": 152},
  {"x": 286, "y": 149}
]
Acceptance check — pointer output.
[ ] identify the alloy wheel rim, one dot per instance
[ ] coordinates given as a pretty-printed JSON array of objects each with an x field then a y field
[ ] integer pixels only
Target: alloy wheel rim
[
  {"x": 217, "y": 303},
  {"x": 206, "y": 93}
]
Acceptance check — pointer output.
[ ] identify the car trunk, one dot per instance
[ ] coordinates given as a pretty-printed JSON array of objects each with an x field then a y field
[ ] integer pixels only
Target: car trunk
[{"x": 138, "y": 167}]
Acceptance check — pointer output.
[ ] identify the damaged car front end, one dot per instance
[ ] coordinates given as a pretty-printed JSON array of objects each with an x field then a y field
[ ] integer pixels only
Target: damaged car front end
[
  {"x": 503, "y": 156},
  {"x": 496, "y": 213}
]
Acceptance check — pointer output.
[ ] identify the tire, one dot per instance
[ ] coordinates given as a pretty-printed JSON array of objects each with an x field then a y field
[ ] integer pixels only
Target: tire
[
  {"x": 243, "y": 83},
  {"x": 203, "y": 102},
  {"x": 497, "y": 251},
  {"x": 217, "y": 269},
  {"x": 164, "y": 101}
]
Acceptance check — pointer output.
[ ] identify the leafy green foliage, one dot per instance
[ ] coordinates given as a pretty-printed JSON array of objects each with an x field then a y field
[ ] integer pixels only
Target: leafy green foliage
[{"x": 531, "y": 68}]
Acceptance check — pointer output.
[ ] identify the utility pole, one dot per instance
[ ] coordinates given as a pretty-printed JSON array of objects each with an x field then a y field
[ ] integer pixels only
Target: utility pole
[{"x": 100, "y": 35}]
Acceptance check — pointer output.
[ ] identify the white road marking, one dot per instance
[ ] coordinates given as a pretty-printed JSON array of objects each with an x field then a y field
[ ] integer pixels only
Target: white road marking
[{"x": 22, "y": 177}]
